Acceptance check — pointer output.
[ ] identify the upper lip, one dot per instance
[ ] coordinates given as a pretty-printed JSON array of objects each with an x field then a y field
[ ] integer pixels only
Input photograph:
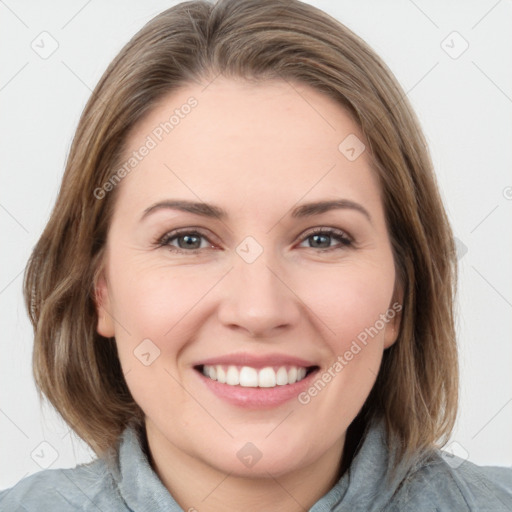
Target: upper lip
[{"x": 256, "y": 360}]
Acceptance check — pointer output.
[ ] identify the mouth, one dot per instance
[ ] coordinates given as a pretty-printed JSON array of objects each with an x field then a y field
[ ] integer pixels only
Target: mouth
[
  {"x": 255, "y": 381},
  {"x": 251, "y": 377},
  {"x": 256, "y": 388}
]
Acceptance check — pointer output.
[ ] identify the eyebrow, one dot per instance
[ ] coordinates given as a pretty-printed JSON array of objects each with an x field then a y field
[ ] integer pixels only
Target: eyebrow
[{"x": 216, "y": 212}]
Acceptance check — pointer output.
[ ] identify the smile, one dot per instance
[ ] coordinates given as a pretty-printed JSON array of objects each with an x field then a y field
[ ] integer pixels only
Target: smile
[{"x": 249, "y": 377}]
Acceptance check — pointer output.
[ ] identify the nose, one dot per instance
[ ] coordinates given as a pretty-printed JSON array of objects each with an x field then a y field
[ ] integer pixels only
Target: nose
[{"x": 257, "y": 300}]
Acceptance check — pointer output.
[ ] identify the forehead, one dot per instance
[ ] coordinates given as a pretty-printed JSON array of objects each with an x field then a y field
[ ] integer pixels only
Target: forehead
[{"x": 235, "y": 141}]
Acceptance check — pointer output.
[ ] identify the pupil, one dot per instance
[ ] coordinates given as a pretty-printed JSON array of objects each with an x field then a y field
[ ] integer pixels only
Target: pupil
[
  {"x": 189, "y": 241},
  {"x": 317, "y": 238}
]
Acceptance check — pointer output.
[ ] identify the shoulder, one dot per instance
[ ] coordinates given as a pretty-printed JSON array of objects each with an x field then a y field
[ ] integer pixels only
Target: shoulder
[
  {"x": 453, "y": 483},
  {"x": 86, "y": 487}
]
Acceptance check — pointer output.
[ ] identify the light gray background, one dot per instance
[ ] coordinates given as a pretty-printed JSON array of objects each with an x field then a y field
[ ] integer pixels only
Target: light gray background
[{"x": 464, "y": 104}]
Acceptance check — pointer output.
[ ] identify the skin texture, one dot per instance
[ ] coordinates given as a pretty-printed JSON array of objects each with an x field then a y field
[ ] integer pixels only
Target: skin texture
[{"x": 256, "y": 150}]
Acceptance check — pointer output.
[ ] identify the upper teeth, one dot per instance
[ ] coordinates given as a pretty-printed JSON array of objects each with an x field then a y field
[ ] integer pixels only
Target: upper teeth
[{"x": 246, "y": 376}]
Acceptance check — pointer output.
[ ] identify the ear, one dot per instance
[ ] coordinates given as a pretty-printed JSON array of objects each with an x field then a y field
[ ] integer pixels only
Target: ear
[
  {"x": 394, "y": 316},
  {"x": 103, "y": 307}
]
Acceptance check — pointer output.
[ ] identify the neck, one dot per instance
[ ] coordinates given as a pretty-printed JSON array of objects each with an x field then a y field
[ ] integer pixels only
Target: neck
[{"x": 196, "y": 485}]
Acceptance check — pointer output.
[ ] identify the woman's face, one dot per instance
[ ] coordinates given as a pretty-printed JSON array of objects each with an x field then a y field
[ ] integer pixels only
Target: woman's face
[{"x": 259, "y": 289}]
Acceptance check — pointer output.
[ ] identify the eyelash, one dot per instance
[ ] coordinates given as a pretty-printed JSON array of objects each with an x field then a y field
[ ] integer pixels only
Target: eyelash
[{"x": 342, "y": 237}]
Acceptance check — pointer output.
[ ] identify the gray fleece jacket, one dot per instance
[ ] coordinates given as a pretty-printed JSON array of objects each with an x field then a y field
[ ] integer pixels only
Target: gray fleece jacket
[{"x": 441, "y": 482}]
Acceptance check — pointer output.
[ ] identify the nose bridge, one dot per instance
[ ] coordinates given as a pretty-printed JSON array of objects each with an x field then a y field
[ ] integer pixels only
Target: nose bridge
[{"x": 258, "y": 300}]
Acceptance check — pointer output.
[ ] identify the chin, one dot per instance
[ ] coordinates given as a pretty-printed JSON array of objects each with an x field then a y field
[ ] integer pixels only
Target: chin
[{"x": 257, "y": 459}]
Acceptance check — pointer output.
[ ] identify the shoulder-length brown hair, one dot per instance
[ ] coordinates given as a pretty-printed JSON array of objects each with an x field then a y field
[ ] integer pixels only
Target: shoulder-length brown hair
[{"x": 78, "y": 370}]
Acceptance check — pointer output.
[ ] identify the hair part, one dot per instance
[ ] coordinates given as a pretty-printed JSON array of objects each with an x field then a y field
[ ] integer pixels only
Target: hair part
[{"x": 78, "y": 370}]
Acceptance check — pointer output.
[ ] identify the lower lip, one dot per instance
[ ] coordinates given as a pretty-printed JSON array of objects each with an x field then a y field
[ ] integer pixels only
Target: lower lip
[{"x": 257, "y": 398}]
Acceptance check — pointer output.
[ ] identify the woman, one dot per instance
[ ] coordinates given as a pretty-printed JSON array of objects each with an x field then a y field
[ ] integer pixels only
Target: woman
[{"x": 243, "y": 298}]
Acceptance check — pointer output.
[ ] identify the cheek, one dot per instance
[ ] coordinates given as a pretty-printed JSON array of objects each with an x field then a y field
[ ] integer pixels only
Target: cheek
[
  {"x": 151, "y": 306},
  {"x": 154, "y": 298},
  {"x": 350, "y": 310},
  {"x": 350, "y": 303}
]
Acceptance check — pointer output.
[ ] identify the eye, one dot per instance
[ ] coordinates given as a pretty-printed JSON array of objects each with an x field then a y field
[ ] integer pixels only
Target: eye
[
  {"x": 187, "y": 241},
  {"x": 190, "y": 241},
  {"x": 322, "y": 238}
]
